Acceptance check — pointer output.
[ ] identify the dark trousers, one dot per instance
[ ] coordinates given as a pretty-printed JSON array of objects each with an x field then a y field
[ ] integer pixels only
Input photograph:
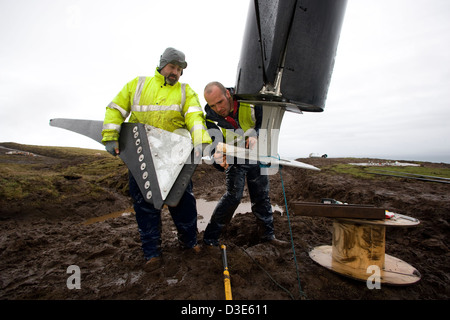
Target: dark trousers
[
  {"x": 258, "y": 187},
  {"x": 148, "y": 219}
]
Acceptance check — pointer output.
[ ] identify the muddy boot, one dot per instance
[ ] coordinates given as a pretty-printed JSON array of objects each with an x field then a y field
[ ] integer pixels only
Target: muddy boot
[
  {"x": 196, "y": 249},
  {"x": 279, "y": 243},
  {"x": 153, "y": 264}
]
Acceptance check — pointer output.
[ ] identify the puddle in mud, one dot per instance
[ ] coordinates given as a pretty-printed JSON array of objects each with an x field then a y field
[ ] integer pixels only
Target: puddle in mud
[
  {"x": 204, "y": 209},
  {"x": 105, "y": 217}
]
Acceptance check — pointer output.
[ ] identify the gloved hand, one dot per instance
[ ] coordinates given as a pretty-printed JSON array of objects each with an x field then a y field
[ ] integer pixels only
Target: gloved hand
[{"x": 112, "y": 147}]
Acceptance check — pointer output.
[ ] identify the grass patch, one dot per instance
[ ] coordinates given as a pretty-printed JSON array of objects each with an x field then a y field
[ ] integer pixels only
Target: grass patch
[
  {"x": 365, "y": 172},
  {"x": 56, "y": 152},
  {"x": 355, "y": 171},
  {"x": 16, "y": 188},
  {"x": 60, "y": 173},
  {"x": 11, "y": 190},
  {"x": 425, "y": 171}
]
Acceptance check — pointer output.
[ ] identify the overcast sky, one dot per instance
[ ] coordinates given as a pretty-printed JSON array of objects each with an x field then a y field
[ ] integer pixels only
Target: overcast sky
[{"x": 389, "y": 96}]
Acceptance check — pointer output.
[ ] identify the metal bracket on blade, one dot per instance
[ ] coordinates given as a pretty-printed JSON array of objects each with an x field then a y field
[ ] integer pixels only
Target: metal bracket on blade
[
  {"x": 267, "y": 153},
  {"x": 161, "y": 171}
]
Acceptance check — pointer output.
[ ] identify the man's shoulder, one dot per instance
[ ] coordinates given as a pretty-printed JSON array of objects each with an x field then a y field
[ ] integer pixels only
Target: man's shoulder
[
  {"x": 138, "y": 79},
  {"x": 189, "y": 90}
]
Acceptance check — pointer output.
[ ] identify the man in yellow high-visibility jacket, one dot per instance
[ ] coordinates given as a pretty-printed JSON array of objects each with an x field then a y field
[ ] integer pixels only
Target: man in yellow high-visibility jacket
[{"x": 160, "y": 101}]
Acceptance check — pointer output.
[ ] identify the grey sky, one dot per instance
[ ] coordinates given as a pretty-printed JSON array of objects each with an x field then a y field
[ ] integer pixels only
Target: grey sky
[{"x": 388, "y": 96}]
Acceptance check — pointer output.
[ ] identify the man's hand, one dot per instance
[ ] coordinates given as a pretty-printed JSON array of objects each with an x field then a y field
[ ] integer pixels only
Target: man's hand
[
  {"x": 112, "y": 147},
  {"x": 220, "y": 156},
  {"x": 199, "y": 151},
  {"x": 250, "y": 142},
  {"x": 221, "y": 159}
]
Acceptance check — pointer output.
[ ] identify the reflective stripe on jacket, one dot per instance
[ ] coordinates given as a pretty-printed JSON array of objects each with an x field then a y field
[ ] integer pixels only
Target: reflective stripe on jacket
[{"x": 149, "y": 100}]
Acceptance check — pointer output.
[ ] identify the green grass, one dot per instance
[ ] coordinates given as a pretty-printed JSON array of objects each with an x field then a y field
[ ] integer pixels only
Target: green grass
[
  {"x": 364, "y": 171},
  {"x": 356, "y": 171},
  {"x": 56, "y": 152},
  {"x": 84, "y": 172},
  {"x": 20, "y": 186},
  {"x": 436, "y": 172}
]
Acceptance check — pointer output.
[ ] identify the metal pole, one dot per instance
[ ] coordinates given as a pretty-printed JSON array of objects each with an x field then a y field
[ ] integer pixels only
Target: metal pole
[{"x": 226, "y": 274}]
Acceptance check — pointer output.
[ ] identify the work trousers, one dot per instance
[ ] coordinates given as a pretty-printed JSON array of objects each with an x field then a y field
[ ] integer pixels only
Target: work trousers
[
  {"x": 148, "y": 219},
  {"x": 258, "y": 187}
]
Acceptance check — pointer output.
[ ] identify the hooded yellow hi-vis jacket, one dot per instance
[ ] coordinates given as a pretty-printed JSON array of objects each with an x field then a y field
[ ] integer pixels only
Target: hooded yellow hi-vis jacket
[{"x": 149, "y": 100}]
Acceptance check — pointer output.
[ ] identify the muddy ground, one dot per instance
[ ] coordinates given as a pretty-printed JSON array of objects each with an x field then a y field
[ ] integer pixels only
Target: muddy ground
[{"x": 38, "y": 243}]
